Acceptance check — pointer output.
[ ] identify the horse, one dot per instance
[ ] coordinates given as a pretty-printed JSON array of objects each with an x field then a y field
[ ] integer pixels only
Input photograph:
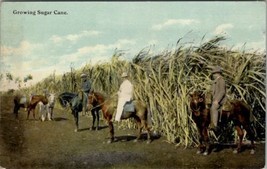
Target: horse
[
  {"x": 20, "y": 101},
  {"x": 28, "y": 103},
  {"x": 75, "y": 101},
  {"x": 35, "y": 99},
  {"x": 108, "y": 106},
  {"x": 237, "y": 111},
  {"x": 47, "y": 110}
]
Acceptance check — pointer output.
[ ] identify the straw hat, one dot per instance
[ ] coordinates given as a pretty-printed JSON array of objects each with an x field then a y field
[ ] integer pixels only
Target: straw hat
[
  {"x": 217, "y": 69},
  {"x": 83, "y": 75},
  {"x": 124, "y": 74}
]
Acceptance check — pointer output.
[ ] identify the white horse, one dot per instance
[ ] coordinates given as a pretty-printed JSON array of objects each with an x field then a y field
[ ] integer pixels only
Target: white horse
[{"x": 46, "y": 111}]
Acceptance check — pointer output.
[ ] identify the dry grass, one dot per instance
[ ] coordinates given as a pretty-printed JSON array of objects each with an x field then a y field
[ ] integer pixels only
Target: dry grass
[{"x": 163, "y": 82}]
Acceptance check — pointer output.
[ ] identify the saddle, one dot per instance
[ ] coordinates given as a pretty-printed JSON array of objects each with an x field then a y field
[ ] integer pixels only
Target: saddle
[
  {"x": 129, "y": 107},
  {"x": 23, "y": 100},
  {"x": 227, "y": 106}
]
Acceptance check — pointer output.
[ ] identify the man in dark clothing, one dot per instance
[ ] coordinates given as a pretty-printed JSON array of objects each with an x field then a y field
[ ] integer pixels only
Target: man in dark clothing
[
  {"x": 86, "y": 88},
  {"x": 218, "y": 96}
]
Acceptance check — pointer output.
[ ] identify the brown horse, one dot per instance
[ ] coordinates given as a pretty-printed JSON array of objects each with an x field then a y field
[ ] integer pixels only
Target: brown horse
[
  {"x": 238, "y": 112},
  {"x": 108, "y": 107},
  {"x": 30, "y": 104}
]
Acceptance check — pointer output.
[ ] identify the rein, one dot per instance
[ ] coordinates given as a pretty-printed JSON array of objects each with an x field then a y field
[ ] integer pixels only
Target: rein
[
  {"x": 196, "y": 110},
  {"x": 99, "y": 105}
]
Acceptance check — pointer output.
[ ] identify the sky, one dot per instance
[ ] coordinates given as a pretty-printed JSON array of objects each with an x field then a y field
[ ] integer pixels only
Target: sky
[{"x": 40, "y": 38}]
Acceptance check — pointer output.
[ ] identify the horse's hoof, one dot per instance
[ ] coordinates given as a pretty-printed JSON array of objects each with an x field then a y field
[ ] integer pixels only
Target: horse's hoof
[
  {"x": 109, "y": 141},
  {"x": 199, "y": 152},
  {"x": 235, "y": 151},
  {"x": 76, "y": 130},
  {"x": 252, "y": 152},
  {"x": 205, "y": 153},
  {"x": 148, "y": 141},
  {"x": 136, "y": 140}
]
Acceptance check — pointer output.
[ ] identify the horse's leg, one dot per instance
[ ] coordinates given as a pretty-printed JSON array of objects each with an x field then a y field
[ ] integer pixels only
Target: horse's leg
[
  {"x": 206, "y": 140},
  {"x": 42, "y": 111},
  {"x": 49, "y": 109},
  {"x": 33, "y": 113},
  {"x": 97, "y": 119},
  {"x": 240, "y": 134},
  {"x": 76, "y": 118},
  {"x": 139, "y": 124},
  {"x": 29, "y": 110},
  {"x": 251, "y": 135},
  {"x": 51, "y": 112},
  {"x": 200, "y": 146},
  {"x": 16, "y": 111},
  {"x": 93, "y": 114},
  {"x": 111, "y": 130},
  {"x": 147, "y": 129}
]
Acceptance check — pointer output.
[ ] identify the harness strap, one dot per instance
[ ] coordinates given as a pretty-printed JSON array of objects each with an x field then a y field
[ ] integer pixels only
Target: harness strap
[{"x": 103, "y": 102}]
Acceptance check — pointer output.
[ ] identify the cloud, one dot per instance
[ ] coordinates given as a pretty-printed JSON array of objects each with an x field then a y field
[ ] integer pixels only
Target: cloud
[
  {"x": 95, "y": 53},
  {"x": 25, "y": 48},
  {"x": 223, "y": 28},
  {"x": 174, "y": 22},
  {"x": 74, "y": 37}
]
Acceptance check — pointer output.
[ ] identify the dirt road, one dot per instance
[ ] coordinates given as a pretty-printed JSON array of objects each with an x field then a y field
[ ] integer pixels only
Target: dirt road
[{"x": 54, "y": 145}]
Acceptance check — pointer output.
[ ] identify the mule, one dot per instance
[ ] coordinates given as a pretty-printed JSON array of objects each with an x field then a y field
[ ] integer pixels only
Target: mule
[
  {"x": 35, "y": 99},
  {"x": 47, "y": 110},
  {"x": 238, "y": 112},
  {"x": 108, "y": 107}
]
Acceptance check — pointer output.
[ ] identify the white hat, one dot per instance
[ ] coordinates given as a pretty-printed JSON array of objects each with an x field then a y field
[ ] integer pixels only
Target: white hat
[
  {"x": 124, "y": 74},
  {"x": 83, "y": 75},
  {"x": 217, "y": 69}
]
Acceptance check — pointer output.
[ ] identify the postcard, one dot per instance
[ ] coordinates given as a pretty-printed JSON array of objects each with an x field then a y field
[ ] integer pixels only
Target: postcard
[{"x": 184, "y": 83}]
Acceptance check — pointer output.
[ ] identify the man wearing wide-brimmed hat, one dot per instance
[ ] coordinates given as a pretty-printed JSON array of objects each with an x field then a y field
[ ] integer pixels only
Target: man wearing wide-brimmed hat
[
  {"x": 218, "y": 96},
  {"x": 125, "y": 94},
  {"x": 86, "y": 88}
]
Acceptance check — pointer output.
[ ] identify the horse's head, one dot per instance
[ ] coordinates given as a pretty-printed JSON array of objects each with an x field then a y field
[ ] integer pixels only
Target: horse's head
[
  {"x": 92, "y": 100},
  {"x": 51, "y": 99},
  {"x": 197, "y": 102},
  {"x": 95, "y": 99},
  {"x": 65, "y": 98}
]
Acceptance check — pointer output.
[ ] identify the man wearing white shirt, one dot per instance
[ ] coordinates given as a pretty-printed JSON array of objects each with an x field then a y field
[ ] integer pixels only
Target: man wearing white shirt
[{"x": 125, "y": 94}]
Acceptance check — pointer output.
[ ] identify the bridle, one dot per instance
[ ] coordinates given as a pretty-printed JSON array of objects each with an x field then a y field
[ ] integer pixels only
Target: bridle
[{"x": 99, "y": 105}]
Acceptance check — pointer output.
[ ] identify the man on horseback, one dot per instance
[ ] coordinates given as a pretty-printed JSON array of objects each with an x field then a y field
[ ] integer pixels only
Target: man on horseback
[
  {"x": 218, "y": 96},
  {"x": 125, "y": 94},
  {"x": 86, "y": 89}
]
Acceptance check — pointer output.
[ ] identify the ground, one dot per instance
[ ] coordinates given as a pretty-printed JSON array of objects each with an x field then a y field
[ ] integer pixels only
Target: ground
[{"x": 54, "y": 145}]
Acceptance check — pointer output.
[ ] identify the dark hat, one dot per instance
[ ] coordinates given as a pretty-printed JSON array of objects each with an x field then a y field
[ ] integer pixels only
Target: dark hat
[{"x": 217, "y": 69}]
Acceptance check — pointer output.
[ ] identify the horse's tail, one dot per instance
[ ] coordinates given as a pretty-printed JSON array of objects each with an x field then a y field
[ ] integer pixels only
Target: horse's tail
[{"x": 252, "y": 119}]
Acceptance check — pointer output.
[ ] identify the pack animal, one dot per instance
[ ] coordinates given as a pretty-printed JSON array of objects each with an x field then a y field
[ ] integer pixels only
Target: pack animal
[
  {"x": 108, "y": 107},
  {"x": 239, "y": 113},
  {"x": 28, "y": 103},
  {"x": 47, "y": 110}
]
